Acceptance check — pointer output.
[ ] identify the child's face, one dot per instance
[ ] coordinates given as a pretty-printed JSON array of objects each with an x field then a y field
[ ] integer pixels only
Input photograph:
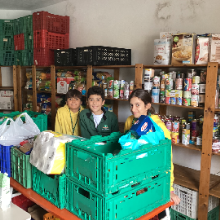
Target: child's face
[
  {"x": 138, "y": 107},
  {"x": 95, "y": 104},
  {"x": 73, "y": 104}
]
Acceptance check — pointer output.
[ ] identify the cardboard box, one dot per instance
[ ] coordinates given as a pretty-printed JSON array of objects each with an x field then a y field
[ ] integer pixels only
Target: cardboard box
[
  {"x": 167, "y": 35},
  {"x": 6, "y": 103},
  {"x": 215, "y": 48},
  {"x": 6, "y": 93},
  {"x": 183, "y": 49},
  {"x": 61, "y": 85},
  {"x": 68, "y": 81}
]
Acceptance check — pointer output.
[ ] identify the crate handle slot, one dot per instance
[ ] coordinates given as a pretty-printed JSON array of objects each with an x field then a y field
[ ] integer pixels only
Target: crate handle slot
[
  {"x": 141, "y": 191},
  {"x": 114, "y": 193},
  {"x": 84, "y": 193},
  {"x": 136, "y": 184},
  {"x": 87, "y": 180},
  {"x": 181, "y": 216},
  {"x": 154, "y": 177}
]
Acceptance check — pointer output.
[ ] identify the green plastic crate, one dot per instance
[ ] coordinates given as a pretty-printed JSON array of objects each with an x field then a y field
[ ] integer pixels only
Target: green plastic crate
[
  {"x": 6, "y": 43},
  {"x": 131, "y": 205},
  {"x": 52, "y": 188},
  {"x": 29, "y": 42},
  {"x": 21, "y": 168},
  {"x": 24, "y": 57},
  {"x": 95, "y": 166},
  {"x": 18, "y": 26},
  {"x": 6, "y": 27},
  {"x": 7, "y": 57},
  {"x": 39, "y": 119},
  {"x": 23, "y": 25},
  {"x": 212, "y": 215}
]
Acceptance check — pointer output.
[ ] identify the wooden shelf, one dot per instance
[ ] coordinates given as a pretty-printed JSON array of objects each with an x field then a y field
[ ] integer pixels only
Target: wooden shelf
[
  {"x": 63, "y": 213},
  {"x": 126, "y": 100},
  {"x": 189, "y": 146},
  {"x": 6, "y": 88},
  {"x": 113, "y": 66},
  {"x": 70, "y": 67},
  {"x": 217, "y": 110},
  {"x": 173, "y": 66},
  {"x": 7, "y": 109},
  {"x": 179, "y": 106},
  {"x": 42, "y": 91}
]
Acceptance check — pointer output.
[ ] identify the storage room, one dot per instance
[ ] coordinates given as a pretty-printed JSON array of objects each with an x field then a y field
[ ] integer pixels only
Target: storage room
[{"x": 109, "y": 110}]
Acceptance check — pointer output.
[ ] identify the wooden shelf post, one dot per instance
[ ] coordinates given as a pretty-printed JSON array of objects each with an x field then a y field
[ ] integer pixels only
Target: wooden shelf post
[
  {"x": 115, "y": 102},
  {"x": 15, "y": 86},
  {"x": 53, "y": 95},
  {"x": 138, "y": 76},
  {"x": 211, "y": 80},
  {"x": 34, "y": 88}
]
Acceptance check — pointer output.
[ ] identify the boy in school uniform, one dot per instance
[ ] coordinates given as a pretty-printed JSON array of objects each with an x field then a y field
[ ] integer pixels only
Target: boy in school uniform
[
  {"x": 67, "y": 117},
  {"x": 95, "y": 120}
]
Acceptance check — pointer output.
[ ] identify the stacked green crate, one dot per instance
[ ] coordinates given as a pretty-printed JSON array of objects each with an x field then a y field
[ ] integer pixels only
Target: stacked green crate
[
  {"x": 7, "y": 42},
  {"x": 24, "y": 26}
]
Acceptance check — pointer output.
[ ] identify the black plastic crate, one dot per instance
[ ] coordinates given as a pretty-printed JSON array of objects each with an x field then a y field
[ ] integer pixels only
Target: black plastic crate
[
  {"x": 99, "y": 56},
  {"x": 65, "y": 57}
]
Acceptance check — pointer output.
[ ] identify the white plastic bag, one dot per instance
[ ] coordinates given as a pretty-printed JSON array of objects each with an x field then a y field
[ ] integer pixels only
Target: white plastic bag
[
  {"x": 19, "y": 131},
  {"x": 5, "y": 195},
  {"x": 4, "y": 126}
]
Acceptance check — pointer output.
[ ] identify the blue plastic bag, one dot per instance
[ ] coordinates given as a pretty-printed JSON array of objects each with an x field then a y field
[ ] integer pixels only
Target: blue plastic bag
[{"x": 128, "y": 141}]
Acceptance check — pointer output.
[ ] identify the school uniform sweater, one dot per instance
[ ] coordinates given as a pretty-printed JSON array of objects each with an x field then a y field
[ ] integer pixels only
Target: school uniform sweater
[
  {"x": 157, "y": 120},
  {"x": 63, "y": 122}
]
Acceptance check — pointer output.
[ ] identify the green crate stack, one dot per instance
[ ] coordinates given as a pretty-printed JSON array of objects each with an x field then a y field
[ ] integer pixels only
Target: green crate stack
[
  {"x": 52, "y": 188},
  {"x": 24, "y": 25},
  {"x": 212, "y": 215},
  {"x": 7, "y": 42},
  {"x": 21, "y": 169},
  {"x": 107, "y": 174}
]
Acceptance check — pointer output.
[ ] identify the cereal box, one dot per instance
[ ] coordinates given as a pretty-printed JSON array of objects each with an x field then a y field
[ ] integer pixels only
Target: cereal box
[
  {"x": 162, "y": 49},
  {"x": 215, "y": 48},
  {"x": 183, "y": 49},
  {"x": 167, "y": 35}
]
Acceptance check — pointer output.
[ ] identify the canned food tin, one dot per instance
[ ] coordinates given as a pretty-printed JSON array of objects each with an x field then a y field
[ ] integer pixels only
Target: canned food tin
[
  {"x": 187, "y": 94},
  {"x": 162, "y": 93},
  {"x": 203, "y": 76},
  {"x": 175, "y": 126},
  {"x": 185, "y": 136},
  {"x": 110, "y": 84},
  {"x": 196, "y": 80},
  {"x": 193, "y": 138},
  {"x": 148, "y": 85},
  {"x": 191, "y": 73},
  {"x": 173, "y": 101},
  {"x": 195, "y": 89},
  {"x": 126, "y": 93},
  {"x": 162, "y": 99},
  {"x": 179, "y": 101},
  {"x": 106, "y": 93},
  {"x": 162, "y": 85},
  {"x": 175, "y": 137},
  {"x": 201, "y": 100},
  {"x": 199, "y": 140},
  {"x": 155, "y": 95},
  {"x": 187, "y": 84},
  {"x": 149, "y": 72},
  {"x": 104, "y": 85},
  {"x": 179, "y": 84},
  {"x": 121, "y": 93},
  {"x": 202, "y": 88},
  {"x": 130, "y": 91},
  {"x": 169, "y": 84},
  {"x": 110, "y": 93},
  {"x": 116, "y": 84},
  {"x": 178, "y": 93},
  {"x": 168, "y": 124},
  {"x": 194, "y": 100},
  {"x": 122, "y": 84},
  {"x": 156, "y": 82},
  {"x": 186, "y": 101}
]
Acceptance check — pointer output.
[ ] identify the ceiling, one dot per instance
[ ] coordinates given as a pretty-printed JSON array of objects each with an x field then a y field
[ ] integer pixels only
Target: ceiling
[{"x": 26, "y": 4}]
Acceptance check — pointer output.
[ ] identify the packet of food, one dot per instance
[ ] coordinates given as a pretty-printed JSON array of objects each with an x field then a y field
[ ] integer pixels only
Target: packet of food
[
  {"x": 215, "y": 48},
  {"x": 162, "y": 49}
]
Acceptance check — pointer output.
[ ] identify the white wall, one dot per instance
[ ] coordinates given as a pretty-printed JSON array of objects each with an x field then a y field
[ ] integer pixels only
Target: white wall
[
  {"x": 7, "y": 74},
  {"x": 135, "y": 24}
]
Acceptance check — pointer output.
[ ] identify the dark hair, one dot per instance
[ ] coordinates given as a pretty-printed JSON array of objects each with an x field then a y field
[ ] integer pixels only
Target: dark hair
[
  {"x": 73, "y": 93},
  {"x": 96, "y": 90},
  {"x": 144, "y": 96}
]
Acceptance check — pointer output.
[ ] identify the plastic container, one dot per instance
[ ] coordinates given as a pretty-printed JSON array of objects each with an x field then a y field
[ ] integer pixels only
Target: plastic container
[
  {"x": 212, "y": 215},
  {"x": 99, "y": 55},
  {"x": 23, "y": 25},
  {"x": 43, "y": 20},
  {"x": 189, "y": 200},
  {"x": 19, "y": 42},
  {"x": 65, "y": 57},
  {"x": 130, "y": 205},
  {"x": 7, "y": 57},
  {"x": 6, "y": 27},
  {"x": 21, "y": 168},
  {"x": 22, "y": 202},
  {"x": 52, "y": 188},
  {"x": 43, "y": 57},
  {"x": 24, "y": 57},
  {"x": 6, "y": 43},
  {"x": 95, "y": 167},
  {"x": 5, "y": 159},
  {"x": 50, "y": 216},
  {"x": 50, "y": 40}
]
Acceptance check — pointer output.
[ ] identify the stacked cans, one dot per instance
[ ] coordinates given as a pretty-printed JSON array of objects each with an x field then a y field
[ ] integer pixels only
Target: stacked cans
[
  {"x": 119, "y": 89},
  {"x": 148, "y": 79}
]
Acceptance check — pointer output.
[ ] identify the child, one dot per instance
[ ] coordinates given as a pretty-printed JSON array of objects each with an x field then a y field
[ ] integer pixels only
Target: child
[
  {"x": 67, "y": 118},
  {"x": 140, "y": 102},
  {"x": 95, "y": 120}
]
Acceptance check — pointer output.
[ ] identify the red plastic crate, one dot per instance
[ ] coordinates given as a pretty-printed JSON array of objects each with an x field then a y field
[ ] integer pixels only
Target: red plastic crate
[
  {"x": 19, "y": 42},
  {"x": 22, "y": 202},
  {"x": 45, "y": 39},
  {"x": 43, "y": 20},
  {"x": 43, "y": 57}
]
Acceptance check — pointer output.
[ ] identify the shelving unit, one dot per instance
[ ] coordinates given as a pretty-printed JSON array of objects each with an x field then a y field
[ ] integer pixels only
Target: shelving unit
[
  {"x": 14, "y": 88},
  {"x": 201, "y": 180}
]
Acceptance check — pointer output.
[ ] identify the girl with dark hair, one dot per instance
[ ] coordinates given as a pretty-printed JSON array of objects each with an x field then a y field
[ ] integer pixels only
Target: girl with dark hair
[{"x": 140, "y": 103}]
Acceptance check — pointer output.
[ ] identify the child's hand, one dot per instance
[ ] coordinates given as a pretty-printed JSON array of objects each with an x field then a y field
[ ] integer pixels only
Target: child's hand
[{"x": 174, "y": 198}]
